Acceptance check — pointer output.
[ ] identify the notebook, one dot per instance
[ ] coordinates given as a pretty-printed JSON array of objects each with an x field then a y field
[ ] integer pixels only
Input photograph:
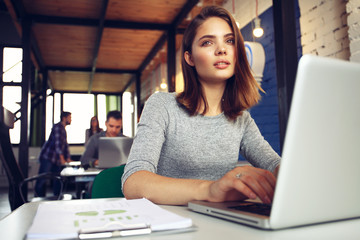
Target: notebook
[
  {"x": 113, "y": 151},
  {"x": 319, "y": 175}
]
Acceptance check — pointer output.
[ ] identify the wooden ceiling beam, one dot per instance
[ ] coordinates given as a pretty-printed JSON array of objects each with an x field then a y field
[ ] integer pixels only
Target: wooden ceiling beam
[
  {"x": 64, "y": 20},
  {"x": 97, "y": 43},
  {"x": 135, "y": 25},
  {"x": 94, "y": 92},
  {"x": 184, "y": 12},
  {"x": 176, "y": 22},
  {"x": 159, "y": 44},
  {"x": 17, "y": 12},
  {"x": 131, "y": 81},
  {"x": 95, "y": 23},
  {"x": 98, "y": 70},
  {"x": 37, "y": 54}
]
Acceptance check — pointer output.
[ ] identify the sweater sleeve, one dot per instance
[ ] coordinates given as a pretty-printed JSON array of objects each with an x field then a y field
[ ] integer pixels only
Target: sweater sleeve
[
  {"x": 256, "y": 149},
  {"x": 90, "y": 154},
  {"x": 149, "y": 139}
]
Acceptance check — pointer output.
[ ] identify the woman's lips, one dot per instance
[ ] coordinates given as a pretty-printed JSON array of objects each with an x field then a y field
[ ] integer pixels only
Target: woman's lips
[{"x": 222, "y": 64}]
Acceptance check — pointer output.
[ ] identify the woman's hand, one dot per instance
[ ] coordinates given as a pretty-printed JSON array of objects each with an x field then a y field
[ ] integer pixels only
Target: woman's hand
[{"x": 244, "y": 182}]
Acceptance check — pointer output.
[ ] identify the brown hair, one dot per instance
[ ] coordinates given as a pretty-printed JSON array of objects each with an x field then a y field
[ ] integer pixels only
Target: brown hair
[
  {"x": 98, "y": 129},
  {"x": 241, "y": 91}
]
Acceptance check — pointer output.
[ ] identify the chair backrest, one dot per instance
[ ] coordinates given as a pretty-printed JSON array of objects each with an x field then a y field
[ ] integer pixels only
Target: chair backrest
[
  {"x": 107, "y": 184},
  {"x": 13, "y": 171}
]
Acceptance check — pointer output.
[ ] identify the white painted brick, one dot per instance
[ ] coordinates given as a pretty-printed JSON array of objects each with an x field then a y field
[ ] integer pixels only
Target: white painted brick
[
  {"x": 355, "y": 57},
  {"x": 353, "y": 18},
  {"x": 325, "y": 51},
  {"x": 313, "y": 45},
  {"x": 329, "y": 50},
  {"x": 353, "y": 6},
  {"x": 345, "y": 43},
  {"x": 330, "y": 27},
  {"x": 314, "y": 13},
  {"x": 308, "y": 5},
  {"x": 341, "y": 33},
  {"x": 354, "y": 31},
  {"x": 333, "y": 13},
  {"x": 355, "y": 46},
  {"x": 308, "y": 37},
  {"x": 332, "y": 44},
  {"x": 344, "y": 18},
  {"x": 333, "y": 5},
  {"x": 305, "y": 19},
  {"x": 344, "y": 54},
  {"x": 309, "y": 51},
  {"x": 313, "y": 25}
]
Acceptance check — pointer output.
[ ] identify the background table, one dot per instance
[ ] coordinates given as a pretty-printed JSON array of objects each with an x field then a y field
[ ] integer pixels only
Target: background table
[
  {"x": 80, "y": 177},
  {"x": 15, "y": 226}
]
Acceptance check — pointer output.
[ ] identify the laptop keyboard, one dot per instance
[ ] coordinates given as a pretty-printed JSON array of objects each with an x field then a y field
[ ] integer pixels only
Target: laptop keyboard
[{"x": 258, "y": 208}]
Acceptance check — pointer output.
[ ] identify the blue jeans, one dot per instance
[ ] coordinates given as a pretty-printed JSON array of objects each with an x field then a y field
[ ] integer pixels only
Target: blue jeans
[{"x": 40, "y": 186}]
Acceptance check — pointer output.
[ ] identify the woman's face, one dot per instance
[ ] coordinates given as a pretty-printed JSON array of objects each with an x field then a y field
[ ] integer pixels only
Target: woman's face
[
  {"x": 94, "y": 122},
  {"x": 213, "y": 51}
]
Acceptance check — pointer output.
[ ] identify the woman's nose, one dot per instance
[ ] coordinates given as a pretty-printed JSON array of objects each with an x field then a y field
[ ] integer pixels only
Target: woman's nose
[{"x": 221, "y": 50}]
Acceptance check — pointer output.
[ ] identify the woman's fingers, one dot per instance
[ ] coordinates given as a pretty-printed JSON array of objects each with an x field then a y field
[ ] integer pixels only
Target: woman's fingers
[
  {"x": 246, "y": 181},
  {"x": 254, "y": 182}
]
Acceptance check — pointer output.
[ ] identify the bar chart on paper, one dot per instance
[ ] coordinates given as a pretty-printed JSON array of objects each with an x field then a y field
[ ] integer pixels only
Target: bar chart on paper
[
  {"x": 86, "y": 218},
  {"x": 64, "y": 221}
]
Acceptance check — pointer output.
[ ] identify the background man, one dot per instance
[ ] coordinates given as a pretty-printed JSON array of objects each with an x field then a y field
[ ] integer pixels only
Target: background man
[
  {"x": 113, "y": 125},
  {"x": 53, "y": 154}
]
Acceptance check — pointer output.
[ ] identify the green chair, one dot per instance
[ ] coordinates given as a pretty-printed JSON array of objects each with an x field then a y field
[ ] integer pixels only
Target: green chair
[{"x": 107, "y": 184}]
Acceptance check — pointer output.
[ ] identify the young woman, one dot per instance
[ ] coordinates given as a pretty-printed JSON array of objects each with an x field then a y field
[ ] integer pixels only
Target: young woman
[
  {"x": 187, "y": 145},
  {"x": 94, "y": 128}
]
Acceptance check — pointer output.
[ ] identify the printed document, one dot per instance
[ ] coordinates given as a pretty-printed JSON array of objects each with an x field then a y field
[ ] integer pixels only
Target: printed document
[{"x": 64, "y": 220}]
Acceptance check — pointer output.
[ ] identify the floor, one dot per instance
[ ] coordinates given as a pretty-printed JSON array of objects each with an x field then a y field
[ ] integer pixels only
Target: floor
[{"x": 4, "y": 201}]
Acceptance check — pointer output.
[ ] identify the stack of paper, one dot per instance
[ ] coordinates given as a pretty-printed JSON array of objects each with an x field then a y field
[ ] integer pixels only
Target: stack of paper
[{"x": 59, "y": 220}]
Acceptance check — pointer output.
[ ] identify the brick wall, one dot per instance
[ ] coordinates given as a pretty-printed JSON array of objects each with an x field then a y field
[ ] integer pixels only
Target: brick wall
[
  {"x": 353, "y": 20},
  {"x": 324, "y": 28},
  {"x": 265, "y": 113}
]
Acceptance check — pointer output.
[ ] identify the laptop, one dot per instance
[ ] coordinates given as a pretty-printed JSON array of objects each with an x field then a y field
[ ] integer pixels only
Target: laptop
[
  {"x": 319, "y": 175},
  {"x": 113, "y": 151}
]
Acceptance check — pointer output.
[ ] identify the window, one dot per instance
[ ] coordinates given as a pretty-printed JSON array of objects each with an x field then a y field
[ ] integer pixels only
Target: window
[
  {"x": 81, "y": 107},
  {"x": 12, "y": 72},
  {"x": 101, "y": 100},
  {"x": 49, "y": 115},
  {"x": 128, "y": 110}
]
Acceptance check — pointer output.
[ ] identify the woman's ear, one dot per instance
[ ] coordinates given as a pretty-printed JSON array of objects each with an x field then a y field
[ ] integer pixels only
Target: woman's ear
[{"x": 188, "y": 59}]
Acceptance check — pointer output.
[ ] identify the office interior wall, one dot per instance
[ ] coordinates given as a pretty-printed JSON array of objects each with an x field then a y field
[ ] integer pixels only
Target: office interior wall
[
  {"x": 179, "y": 78},
  {"x": 265, "y": 114},
  {"x": 324, "y": 28},
  {"x": 11, "y": 38},
  {"x": 244, "y": 11},
  {"x": 353, "y": 11}
]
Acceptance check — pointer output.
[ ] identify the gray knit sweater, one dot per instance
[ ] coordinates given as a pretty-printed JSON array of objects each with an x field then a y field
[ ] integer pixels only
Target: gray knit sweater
[{"x": 171, "y": 143}]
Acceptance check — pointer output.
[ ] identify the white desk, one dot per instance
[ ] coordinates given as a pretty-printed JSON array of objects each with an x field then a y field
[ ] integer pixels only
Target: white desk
[
  {"x": 79, "y": 176},
  {"x": 15, "y": 226}
]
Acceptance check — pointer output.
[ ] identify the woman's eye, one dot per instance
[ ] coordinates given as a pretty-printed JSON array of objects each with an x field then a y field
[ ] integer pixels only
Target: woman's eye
[
  {"x": 231, "y": 41},
  {"x": 205, "y": 43}
]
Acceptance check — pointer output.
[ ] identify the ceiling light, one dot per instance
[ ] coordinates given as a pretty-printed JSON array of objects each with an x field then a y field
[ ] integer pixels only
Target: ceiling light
[
  {"x": 163, "y": 85},
  {"x": 258, "y": 31}
]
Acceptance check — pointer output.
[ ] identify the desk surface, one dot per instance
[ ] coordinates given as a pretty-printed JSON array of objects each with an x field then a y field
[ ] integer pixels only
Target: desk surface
[
  {"x": 79, "y": 172},
  {"x": 15, "y": 226}
]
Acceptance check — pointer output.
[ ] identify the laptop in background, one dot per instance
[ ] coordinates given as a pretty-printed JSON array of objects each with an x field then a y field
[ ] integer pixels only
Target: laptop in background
[
  {"x": 113, "y": 151},
  {"x": 319, "y": 174}
]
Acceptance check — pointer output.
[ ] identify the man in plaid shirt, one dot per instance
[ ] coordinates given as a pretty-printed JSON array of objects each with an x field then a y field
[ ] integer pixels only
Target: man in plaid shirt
[{"x": 54, "y": 153}]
